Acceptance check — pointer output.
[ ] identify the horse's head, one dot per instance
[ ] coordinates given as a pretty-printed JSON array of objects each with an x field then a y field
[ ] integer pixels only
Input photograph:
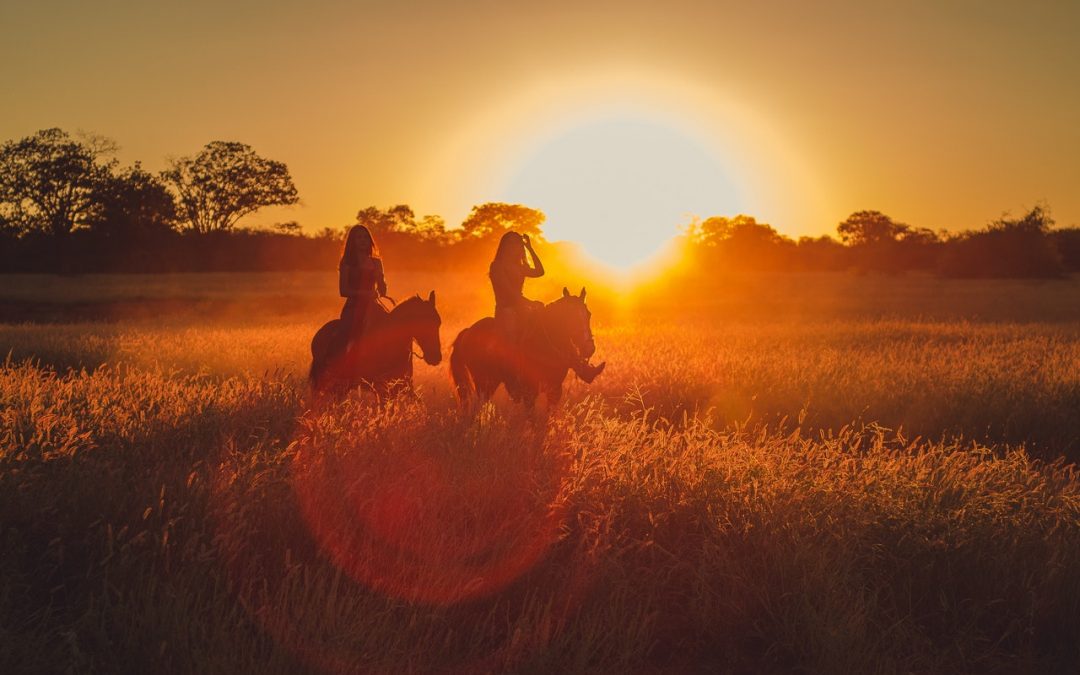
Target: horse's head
[
  {"x": 423, "y": 323},
  {"x": 575, "y": 322}
]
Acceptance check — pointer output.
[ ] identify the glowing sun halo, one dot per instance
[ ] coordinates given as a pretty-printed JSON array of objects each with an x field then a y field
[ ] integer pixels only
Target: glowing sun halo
[{"x": 621, "y": 184}]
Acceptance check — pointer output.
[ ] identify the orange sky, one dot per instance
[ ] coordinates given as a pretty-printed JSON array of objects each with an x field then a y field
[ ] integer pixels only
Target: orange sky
[{"x": 942, "y": 114}]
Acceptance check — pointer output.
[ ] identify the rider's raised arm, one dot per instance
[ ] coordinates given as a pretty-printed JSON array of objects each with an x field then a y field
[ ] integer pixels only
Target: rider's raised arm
[{"x": 537, "y": 267}]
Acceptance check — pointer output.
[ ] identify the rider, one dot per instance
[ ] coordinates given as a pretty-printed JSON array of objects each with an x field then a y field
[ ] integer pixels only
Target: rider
[
  {"x": 513, "y": 310},
  {"x": 360, "y": 282}
]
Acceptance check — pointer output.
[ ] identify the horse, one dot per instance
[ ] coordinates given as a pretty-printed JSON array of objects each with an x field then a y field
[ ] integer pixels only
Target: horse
[
  {"x": 555, "y": 337},
  {"x": 382, "y": 357}
]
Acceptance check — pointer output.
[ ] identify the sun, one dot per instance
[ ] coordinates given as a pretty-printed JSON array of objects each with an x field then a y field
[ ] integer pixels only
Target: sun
[
  {"x": 619, "y": 157},
  {"x": 621, "y": 183}
]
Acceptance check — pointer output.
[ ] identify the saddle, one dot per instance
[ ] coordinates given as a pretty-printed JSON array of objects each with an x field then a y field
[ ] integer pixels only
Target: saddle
[{"x": 517, "y": 323}]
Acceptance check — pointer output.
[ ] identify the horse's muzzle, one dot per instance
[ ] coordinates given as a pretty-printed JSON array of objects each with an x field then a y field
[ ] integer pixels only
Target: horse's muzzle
[{"x": 433, "y": 359}]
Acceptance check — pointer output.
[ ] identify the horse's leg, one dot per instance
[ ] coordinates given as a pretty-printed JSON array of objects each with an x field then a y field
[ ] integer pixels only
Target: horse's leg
[
  {"x": 553, "y": 393},
  {"x": 524, "y": 392},
  {"x": 553, "y": 386},
  {"x": 485, "y": 386}
]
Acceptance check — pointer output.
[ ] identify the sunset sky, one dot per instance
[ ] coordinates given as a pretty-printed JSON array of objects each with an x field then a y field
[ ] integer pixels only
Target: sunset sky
[{"x": 941, "y": 114}]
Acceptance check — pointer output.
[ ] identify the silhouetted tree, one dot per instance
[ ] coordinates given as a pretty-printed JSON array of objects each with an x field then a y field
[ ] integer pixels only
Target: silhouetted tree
[
  {"x": 1008, "y": 247},
  {"x": 869, "y": 228},
  {"x": 397, "y": 218},
  {"x": 132, "y": 204},
  {"x": 717, "y": 230},
  {"x": 879, "y": 243},
  {"x": 48, "y": 182},
  {"x": 821, "y": 254},
  {"x": 492, "y": 219},
  {"x": 741, "y": 243},
  {"x": 1067, "y": 241},
  {"x": 401, "y": 220},
  {"x": 225, "y": 182},
  {"x": 290, "y": 227}
]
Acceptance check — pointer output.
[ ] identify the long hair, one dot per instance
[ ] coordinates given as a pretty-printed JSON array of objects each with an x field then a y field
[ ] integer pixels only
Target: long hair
[
  {"x": 511, "y": 249},
  {"x": 358, "y": 242}
]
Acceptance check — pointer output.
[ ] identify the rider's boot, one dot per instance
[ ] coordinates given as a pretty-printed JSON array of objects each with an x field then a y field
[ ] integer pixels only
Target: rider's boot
[{"x": 587, "y": 372}]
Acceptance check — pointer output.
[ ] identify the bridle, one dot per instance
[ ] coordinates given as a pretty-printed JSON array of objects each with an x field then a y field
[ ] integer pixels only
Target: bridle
[{"x": 393, "y": 304}]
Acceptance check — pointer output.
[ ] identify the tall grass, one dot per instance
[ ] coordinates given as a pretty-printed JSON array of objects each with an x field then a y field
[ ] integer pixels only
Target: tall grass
[
  {"x": 991, "y": 382},
  {"x": 845, "y": 491},
  {"x": 188, "y": 523}
]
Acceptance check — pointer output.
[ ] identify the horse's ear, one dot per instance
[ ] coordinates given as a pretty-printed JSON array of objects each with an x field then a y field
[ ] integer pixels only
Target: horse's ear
[
  {"x": 565, "y": 292},
  {"x": 431, "y": 297},
  {"x": 582, "y": 293}
]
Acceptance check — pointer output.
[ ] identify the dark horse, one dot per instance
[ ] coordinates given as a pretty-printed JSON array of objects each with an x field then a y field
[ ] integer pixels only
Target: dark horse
[
  {"x": 383, "y": 356},
  {"x": 555, "y": 338}
]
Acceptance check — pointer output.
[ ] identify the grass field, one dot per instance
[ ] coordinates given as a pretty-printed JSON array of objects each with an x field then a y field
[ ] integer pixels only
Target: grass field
[{"x": 805, "y": 473}]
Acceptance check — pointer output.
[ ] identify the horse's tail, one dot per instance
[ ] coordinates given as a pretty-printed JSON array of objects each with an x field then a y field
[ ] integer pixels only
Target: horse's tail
[
  {"x": 459, "y": 370},
  {"x": 315, "y": 372},
  {"x": 320, "y": 354},
  {"x": 318, "y": 364}
]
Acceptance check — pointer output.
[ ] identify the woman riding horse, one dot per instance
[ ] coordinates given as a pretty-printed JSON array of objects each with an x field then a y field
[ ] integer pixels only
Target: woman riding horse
[
  {"x": 368, "y": 344},
  {"x": 514, "y": 313},
  {"x": 360, "y": 282},
  {"x": 382, "y": 359},
  {"x": 559, "y": 338}
]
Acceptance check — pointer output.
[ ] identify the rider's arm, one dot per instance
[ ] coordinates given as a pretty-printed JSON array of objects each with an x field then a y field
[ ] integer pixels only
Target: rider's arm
[
  {"x": 344, "y": 277},
  {"x": 537, "y": 267},
  {"x": 380, "y": 280}
]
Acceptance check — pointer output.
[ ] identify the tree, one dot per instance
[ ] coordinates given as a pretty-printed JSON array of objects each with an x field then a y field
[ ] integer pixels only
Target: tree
[
  {"x": 49, "y": 181},
  {"x": 821, "y": 254},
  {"x": 1008, "y": 247},
  {"x": 225, "y": 182},
  {"x": 717, "y": 230},
  {"x": 1067, "y": 241},
  {"x": 1037, "y": 221},
  {"x": 869, "y": 228},
  {"x": 741, "y": 242},
  {"x": 394, "y": 219},
  {"x": 400, "y": 221},
  {"x": 493, "y": 219},
  {"x": 880, "y": 244},
  {"x": 133, "y": 204}
]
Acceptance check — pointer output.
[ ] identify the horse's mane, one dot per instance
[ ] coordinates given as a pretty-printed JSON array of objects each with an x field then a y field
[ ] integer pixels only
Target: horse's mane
[
  {"x": 564, "y": 301},
  {"x": 409, "y": 304}
]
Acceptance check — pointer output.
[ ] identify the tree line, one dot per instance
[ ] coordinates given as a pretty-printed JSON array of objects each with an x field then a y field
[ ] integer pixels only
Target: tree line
[
  {"x": 67, "y": 206},
  {"x": 871, "y": 242}
]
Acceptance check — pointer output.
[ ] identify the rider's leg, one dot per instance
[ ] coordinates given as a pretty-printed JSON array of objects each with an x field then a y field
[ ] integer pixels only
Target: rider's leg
[
  {"x": 358, "y": 321},
  {"x": 508, "y": 321},
  {"x": 345, "y": 327}
]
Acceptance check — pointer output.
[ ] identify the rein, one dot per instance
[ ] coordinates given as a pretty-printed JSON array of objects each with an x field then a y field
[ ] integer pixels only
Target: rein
[
  {"x": 393, "y": 302},
  {"x": 412, "y": 350}
]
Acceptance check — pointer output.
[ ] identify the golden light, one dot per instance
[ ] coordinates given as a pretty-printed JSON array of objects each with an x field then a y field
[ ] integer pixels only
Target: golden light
[
  {"x": 619, "y": 157},
  {"x": 621, "y": 183}
]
